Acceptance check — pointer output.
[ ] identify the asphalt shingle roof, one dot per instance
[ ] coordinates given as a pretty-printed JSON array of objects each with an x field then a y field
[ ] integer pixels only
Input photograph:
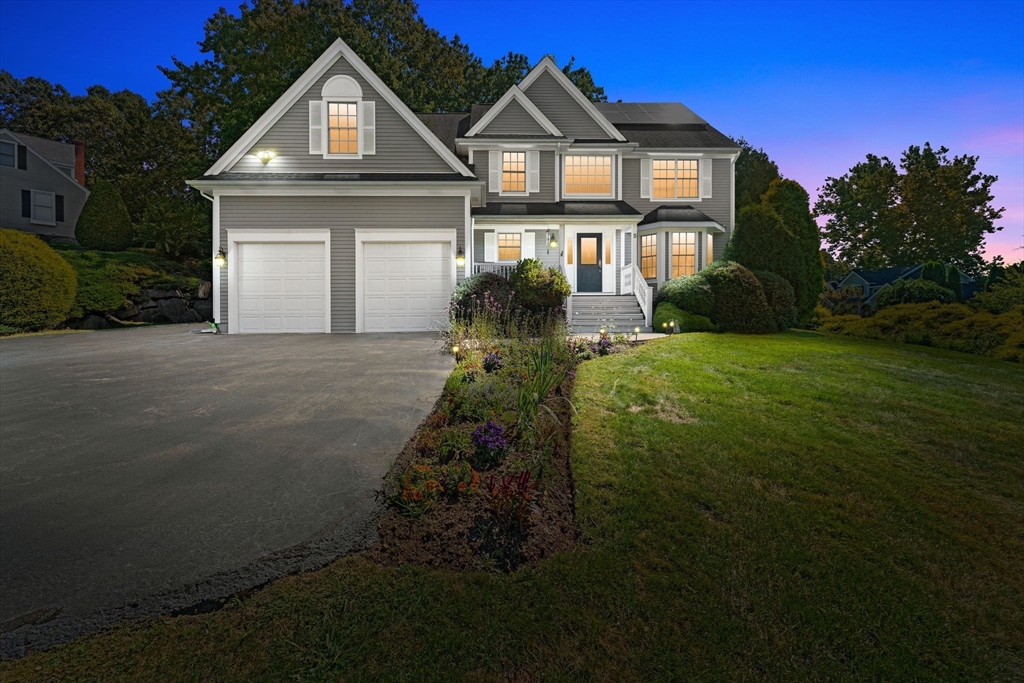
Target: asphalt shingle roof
[
  {"x": 676, "y": 214},
  {"x": 446, "y": 127},
  {"x": 884, "y": 276},
  {"x": 341, "y": 177},
  {"x": 556, "y": 209}
]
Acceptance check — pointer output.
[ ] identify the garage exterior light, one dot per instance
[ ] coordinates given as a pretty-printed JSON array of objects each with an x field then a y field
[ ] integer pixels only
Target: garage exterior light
[
  {"x": 221, "y": 259},
  {"x": 265, "y": 155},
  {"x": 460, "y": 258}
]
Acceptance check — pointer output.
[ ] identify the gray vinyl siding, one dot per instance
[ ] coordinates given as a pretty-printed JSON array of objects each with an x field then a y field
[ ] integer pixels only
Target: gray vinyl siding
[
  {"x": 547, "y": 179},
  {"x": 571, "y": 119},
  {"x": 478, "y": 246},
  {"x": 400, "y": 149},
  {"x": 717, "y": 207},
  {"x": 38, "y": 176},
  {"x": 342, "y": 215},
  {"x": 546, "y": 255},
  {"x": 514, "y": 120}
]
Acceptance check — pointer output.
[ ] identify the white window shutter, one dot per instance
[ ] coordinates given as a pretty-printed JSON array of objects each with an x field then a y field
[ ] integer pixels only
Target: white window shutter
[
  {"x": 494, "y": 171},
  {"x": 369, "y": 114},
  {"x": 529, "y": 244},
  {"x": 705, "y": 178},
  {"x": 490, "y": 246},
  {"x": 316, "y": 127},
  {"x": 645, "y": 178},
  {"x": 533, "y": 172}
]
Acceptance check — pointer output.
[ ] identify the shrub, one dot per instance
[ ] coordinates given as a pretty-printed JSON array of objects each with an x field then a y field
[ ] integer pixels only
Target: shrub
[
  {"x": 177, "y": 227},
  {"x": 739, "y": 301},
  {"x": 934, "y": 271},
  {"x": 104, "y": 222},
  {"x": 37, "y": 287},
  {"x": 842, "y": 301},
  {"x": 688, "y": 322},
  {"x": 953, "y": 283},
  {"x": 538, "y": 289},
  {"x": 471, "y": 292},
  {"x": 1003, "y": 295},
  {"x": 912, "y": 292},
  {"x": 512, "y": 499},
  {"x": 955, "y": 327},
  {"x": 688, "y": 293},
  {"x": 781, "y": 300}
]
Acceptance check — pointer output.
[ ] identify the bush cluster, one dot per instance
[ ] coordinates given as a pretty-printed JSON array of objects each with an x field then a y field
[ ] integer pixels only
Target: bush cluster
[
  {"x": 687, "y": 322},
  {"x": 37, "y": 287},
  {"x": 691, "y": 294},
  {"x": 730, "y": 296},
  {"x": 955, "y": 327},
  {"x": 471, "y": 291},
  {"x": 913, "y": 292},
  {"x": 104, "y": 223},
  {"x": 537, "y": 288},
  {"x": 1003, "y": 294},
  {"x": 781, "y": 299}
]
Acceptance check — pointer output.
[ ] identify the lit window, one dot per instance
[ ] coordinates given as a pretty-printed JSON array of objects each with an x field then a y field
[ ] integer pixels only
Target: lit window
[
  {"x": 710, "y": 253},
  {"x": 513, "y": 171},
  {"x": 649, "y": 256},
  {"x": 342, "y": 128},
  {"x": 7, "y": 152},
  {"x": 675, "y": 178},
  {"x": 510, "y": 246},
  {"x": 588, "y": 176},
  {"x": 684, "y": 253}
]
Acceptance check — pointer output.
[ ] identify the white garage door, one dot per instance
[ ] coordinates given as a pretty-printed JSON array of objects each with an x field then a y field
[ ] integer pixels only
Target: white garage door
[
  {"x": 406, "y": 285},
  {"x": 281, "y": 287}
]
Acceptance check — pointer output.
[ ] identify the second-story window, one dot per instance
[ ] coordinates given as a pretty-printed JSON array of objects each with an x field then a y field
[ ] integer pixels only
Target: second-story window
[
  {"x": 588, "y": 176},
  {"x": 674, "y": 179},
  {"x": 7, "y": 152},
  {"x": 342, "y": 128},
  {"x": 513, "y": 172}
]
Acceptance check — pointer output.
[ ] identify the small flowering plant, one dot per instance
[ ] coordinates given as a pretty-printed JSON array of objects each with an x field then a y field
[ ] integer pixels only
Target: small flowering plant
[
  {"x": 512, "y": 499},
  {"x": 492, "y": 362},
  {"x": 603, "y": 347},
  {"x": 489, "y": 442},
  {"x": 459, "y": 478},
  {"x": 420, "y": 489}
]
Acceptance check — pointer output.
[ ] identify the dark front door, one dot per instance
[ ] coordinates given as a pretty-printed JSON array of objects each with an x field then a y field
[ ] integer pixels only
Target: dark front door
[{"x": 588, "y": 267}]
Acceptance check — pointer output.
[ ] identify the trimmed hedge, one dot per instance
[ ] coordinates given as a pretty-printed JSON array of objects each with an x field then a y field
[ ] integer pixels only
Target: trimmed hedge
[
  {"x": 537, "y": 288},
  {"x": 688, "y": 293},
  {"x": 104, "y": 223},
  {"x": 687, "y": 322},
  {"x": 955, "y": 327},
  {"x": 781, "y": 299},
  {"x": 913, "y": 292},
  {"x": 37, "y": 287},
  {"x": 739, "y": 301},
  {"x": 471, "y": 291}
]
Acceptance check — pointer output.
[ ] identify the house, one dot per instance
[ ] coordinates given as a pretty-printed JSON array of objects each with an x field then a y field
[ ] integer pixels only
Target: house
[
  {"x": 340, "y": 210},
  {"x": 42, "y": 184},
  {"x": 870, "y": 282}
]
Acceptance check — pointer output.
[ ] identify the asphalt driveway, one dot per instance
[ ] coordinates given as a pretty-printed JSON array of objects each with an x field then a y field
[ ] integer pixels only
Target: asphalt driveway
[{"x": 145, "y": 471}]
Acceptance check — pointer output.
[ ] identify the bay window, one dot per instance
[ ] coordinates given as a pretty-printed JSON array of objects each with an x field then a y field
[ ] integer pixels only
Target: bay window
[
  {"x": 684, "y": 253},
  {"x": 649, "y": 256}
]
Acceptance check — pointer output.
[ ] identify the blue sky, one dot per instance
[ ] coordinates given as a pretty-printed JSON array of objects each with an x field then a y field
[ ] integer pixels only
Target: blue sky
[{"x": 818, "y": 85}]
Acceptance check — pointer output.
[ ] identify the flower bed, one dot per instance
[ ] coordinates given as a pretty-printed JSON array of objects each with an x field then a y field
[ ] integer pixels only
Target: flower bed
[{"x": 486, "y": 481}]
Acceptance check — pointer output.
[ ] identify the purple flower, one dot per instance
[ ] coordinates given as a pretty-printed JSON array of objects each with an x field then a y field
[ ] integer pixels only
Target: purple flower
[
  {"x": 492, "y": 362},
  {"x": 489, "y": 440}
]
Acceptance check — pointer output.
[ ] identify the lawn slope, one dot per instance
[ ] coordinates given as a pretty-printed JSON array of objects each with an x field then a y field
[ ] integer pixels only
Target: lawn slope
[{"x": 787, "y": 507}]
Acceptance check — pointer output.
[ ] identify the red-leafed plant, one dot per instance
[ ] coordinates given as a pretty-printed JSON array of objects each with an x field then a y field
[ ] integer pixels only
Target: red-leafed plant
[{"x": 512, "y": 499}]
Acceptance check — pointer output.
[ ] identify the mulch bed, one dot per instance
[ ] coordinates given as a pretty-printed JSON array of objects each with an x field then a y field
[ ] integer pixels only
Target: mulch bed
[{"x": 461, "y": 533}]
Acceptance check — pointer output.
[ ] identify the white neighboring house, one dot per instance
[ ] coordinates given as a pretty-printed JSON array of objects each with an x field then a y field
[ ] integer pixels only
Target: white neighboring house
[
  {"x": 42, "y": 185},
  {"x": 340, "y": 210}
]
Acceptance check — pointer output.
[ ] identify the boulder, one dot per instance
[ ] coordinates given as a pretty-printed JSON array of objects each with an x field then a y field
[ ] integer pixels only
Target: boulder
[
  {"x": 93, "y": 322},
  {"x": 204, "y": 307},
  {"x": 176, "y": 310},
  {"x": 157, "y": 294},
  {"x": 195, "y": 316},
  {"x": 151, "y": 315},
  {"x": 145, "y": 304},
  {"x": 205, "y": 287},
  {"x": 127, "y": 312}
]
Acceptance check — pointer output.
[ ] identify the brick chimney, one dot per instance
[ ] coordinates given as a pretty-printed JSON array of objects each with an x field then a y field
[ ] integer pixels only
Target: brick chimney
[{"x": 79, "y": 161}]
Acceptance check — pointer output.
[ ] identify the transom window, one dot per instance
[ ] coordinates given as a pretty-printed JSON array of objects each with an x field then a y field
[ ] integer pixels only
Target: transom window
[
  {"x": 510, "y": 246},
  {"x": 342, "y": 128},
  {"x": 588, "y": 175},
  {"x": 7, "y": 152},
  {"x": 684, "y": 253},
  {"x": 513, "y": 171},
  {"x": 675, "y": 178},
  {"x": 709, "y": 254},
  {"x": 649, "y": 256}
]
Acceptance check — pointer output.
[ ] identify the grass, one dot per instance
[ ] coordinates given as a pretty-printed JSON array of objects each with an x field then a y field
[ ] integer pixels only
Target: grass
[{"x": 788, "y": 507}]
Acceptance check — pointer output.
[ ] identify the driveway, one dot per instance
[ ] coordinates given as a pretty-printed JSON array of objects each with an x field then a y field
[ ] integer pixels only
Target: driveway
[{"x": 150, "y": 470}]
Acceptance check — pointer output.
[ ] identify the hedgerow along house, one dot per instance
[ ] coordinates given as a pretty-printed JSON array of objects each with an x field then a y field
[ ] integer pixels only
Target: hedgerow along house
[{"x": 341, "y": 210}]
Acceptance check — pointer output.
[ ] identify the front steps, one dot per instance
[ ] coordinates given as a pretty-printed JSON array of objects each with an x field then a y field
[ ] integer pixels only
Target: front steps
[{"x": 614, "y": 313}]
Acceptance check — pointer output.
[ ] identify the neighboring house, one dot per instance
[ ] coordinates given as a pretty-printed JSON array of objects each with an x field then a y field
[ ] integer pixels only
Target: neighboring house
[
  {"x": 341, "y": 210},
  {"x": 870, "y": 282},
  {"x": 42, "y": 184}
]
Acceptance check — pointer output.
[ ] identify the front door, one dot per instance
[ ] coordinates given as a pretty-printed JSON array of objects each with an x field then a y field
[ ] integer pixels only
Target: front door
[{"x": 588, "y": 269}]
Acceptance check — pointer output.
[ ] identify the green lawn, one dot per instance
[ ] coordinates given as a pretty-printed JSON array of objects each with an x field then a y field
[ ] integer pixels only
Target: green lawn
[{"x": 787, "y": 507}]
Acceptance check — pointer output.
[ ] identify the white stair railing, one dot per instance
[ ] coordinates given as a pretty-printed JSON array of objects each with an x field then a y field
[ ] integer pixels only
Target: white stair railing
[{"x": 644, "y": 294}]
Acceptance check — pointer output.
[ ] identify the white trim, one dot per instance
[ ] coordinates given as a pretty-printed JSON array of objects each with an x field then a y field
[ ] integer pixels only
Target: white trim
[
  {"x": 291, "y": 96},
  {"x": 514, "y": 93},
  {"x": 242, "y": 236},
  {"x": 41, "y": 158},
  {"x": 468, "y": 242},
  {"x": 32, "y": 208},
  {"x": 316, "y": 188},
  {"x": 677, "y": 226},
  {"x": 615, "y": 181},
  {"x": 732, "y": 198},
  {"x": 325, "y": 129},
  {"x": 216, "y": 271},
  {"x": 623, "y": 221},
  {"x": 363, "y": 235},
  {"x": 548, "y": 64},
  {"x": 609, "y": 281},
  {"x": 343, "y": 87}
]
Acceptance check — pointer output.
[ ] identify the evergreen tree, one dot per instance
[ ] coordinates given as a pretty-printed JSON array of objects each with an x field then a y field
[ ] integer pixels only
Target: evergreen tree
[
  {"x": 935, "y": 272},
  {"x": 952, "y": 283}
]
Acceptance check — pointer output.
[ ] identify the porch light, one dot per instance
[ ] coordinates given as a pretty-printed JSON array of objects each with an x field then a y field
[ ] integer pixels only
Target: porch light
[
  {"x": 460, "y": 258},
  {"x": 552, "y": 241},
  {"x": 265, "y": 155},
  {"x": 221, "y": 259}
]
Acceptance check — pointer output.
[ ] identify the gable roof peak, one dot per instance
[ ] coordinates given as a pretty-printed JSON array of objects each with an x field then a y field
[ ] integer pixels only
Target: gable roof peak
[
  {"x": 547, "y": 64},
  {"x": 514, "y": 93}
]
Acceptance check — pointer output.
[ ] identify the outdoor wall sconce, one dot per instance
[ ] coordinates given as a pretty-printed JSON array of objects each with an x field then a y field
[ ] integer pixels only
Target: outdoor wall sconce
[
  {"x": 552, "y": 241},
  {"x": 460, "y": 258},
  {"x": 265, "y": 155},
  {"x": 221, "y": 259}
]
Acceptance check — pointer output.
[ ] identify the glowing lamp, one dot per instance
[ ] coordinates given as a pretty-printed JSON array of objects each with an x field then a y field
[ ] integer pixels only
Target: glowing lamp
[
  {"x": 265, "y": 155},
  {"x": 552, "y": 241},
  {"x": 460, "y": 258},
  {"x": 221, "y": 259}
]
